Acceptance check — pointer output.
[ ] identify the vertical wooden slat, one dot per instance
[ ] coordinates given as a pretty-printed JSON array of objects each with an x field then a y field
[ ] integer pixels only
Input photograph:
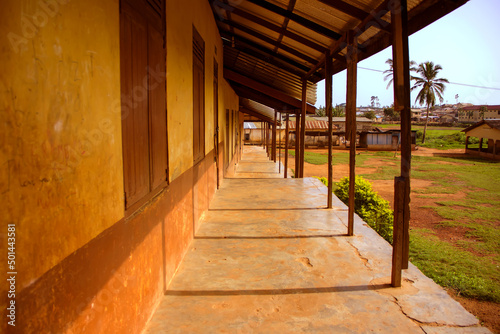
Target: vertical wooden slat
[
  {"x": 402, "y": 103},
  {"x": 157, "y": 107},
  {"x": 352, "y": 63},
  {"x": 297, "y": 144},
  {"x": 329, "y": 104},
  {"x": 303, "y": 128},
  {"x": 287, "y": 128}
]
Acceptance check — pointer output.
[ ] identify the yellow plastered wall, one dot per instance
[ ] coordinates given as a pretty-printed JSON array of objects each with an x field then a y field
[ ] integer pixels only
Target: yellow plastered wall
[
  {"x": 61, "y": 173},
  {"x": 484, "y": 131},
  {"x": 181, "y": 17}
]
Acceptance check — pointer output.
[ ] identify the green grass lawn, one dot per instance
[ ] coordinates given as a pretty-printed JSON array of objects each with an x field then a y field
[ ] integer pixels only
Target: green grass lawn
[{"x": 471, "y": 266}]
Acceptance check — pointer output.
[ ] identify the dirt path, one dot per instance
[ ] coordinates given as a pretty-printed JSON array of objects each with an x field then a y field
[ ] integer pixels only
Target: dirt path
[{"x": 421, "y": 217}]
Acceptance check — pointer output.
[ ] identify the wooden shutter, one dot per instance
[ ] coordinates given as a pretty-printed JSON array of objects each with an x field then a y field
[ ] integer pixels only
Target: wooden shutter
[
  {"x": 135, "y": 120},
  {"x": 143, "y": 82},
  {"x": 198, "y": 97}
]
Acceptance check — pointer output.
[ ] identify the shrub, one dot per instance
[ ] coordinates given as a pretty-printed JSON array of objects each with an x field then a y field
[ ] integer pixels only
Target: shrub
[{"x": 368, "y": 204}]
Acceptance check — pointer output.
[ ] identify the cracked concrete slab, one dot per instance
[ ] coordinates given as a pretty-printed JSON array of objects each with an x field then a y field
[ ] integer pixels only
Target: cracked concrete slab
[{"x": 269, "y": 258}]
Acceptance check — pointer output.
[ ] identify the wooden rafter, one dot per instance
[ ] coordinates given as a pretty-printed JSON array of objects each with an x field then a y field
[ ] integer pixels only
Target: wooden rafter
[
  {"x": 244, "y": 44},
  {"x": 284, "y": 26},
  {"x": 256, "y": 114},
  {"x": 346, "y": 8},
  {"x": 271, "y": 26},
  {"x": 270, "y": 41},
  {"x": 265, "y": 89},
  {"x": 318, "y": 28}
]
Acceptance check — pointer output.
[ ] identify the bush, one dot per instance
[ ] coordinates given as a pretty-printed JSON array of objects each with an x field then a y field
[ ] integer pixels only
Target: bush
[{"x": 368, "y": 204}]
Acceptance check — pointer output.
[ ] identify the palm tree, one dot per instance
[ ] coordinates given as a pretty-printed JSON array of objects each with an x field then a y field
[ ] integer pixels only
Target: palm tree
[
  {"x": 430, "y": 86},
  {"x": 389, "y": 72}
]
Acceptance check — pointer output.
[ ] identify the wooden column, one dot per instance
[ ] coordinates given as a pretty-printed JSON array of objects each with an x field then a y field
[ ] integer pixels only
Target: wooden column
[
  {"x": 352, "y": 69},
  {"x": 286, "y": 144},
  {"x": 329, "y": 104},
  {"x": 303, "y": 127},
  {"x": 297, "y": 144},
  {"x": 262, "y": 133},
  {"x": 274, "y": 135},
  {"x": 279, "y": 144},
  {"x": 402, "y": 104},
  {"x": 466, "y": 143}
]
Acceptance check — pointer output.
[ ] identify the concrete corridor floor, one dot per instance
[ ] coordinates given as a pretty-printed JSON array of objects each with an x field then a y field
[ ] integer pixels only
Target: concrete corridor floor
[{"x": 269, "y": 258}]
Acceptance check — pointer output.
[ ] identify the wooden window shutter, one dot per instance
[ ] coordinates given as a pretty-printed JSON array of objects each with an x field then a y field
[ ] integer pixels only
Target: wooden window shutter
[
  {"x": 143, "y": 83},
  {"x": 198, "y": 97},
  {"x": 135, "y": 120}
]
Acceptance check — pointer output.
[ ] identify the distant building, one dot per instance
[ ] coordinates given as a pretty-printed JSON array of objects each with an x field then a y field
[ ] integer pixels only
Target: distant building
[
  {"x": 473, "y": 114},
  {"x": 384, "y": 140},
  {"x": 488, "y": 132}
]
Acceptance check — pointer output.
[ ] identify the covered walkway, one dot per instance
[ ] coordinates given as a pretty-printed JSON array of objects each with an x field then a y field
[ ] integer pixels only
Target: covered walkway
[{"x": 270, "y": 258}]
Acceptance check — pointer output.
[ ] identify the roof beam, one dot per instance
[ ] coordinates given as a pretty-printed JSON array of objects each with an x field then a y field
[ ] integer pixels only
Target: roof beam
[
  {"x": 346, "y": 8},
  {"x": 271, "y": 26},
  {"x": 270, "y": 41},
  {"x": 291, "y": 6},
  {"x": 265, "y": 89},
  {"x": 263, "y": 51},
  {"x": 318, "y": 28},
  {"x": 251, "y": 94},
  {"x": 340, "y": 44},
  {"x": 256, "y": 114},
  {"x": 264, "y": 54}
]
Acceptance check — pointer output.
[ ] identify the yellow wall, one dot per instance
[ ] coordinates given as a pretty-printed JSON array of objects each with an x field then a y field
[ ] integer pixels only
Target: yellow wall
[
  {"x": 181, "y": 16},
  {"x": 61, "y": 178},
  {"x": 484, "y": 131},
  {"x": 61, "y": 171}
]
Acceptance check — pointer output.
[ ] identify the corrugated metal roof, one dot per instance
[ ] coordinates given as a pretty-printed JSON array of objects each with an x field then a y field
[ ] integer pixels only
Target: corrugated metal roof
[
  {"x": 277, "y": 42},
  {"x": 312, "y": 125}
]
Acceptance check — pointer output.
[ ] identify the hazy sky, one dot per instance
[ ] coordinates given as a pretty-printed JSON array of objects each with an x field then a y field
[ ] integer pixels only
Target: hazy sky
[{"x": 466, "y": 43}]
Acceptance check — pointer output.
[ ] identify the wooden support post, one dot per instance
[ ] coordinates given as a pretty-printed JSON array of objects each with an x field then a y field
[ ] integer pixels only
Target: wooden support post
[
  {"x": 303, "y": 127},
  {"x": 266, "y": 140},
  {"x": 352, "y": 68},
  {"x": 329, "y": 104},
  {"x": 286, "y": 144},
  {"x": 466, "y": 143},
  {"x": 279, "y": 144},
  {"x": 297, "y": 144},
  {"x": 397, "y": 235},
  {"x": 402, "y": 103},
  {"x": 274, "y": 135},
  {"x": 262, "y": 134}
]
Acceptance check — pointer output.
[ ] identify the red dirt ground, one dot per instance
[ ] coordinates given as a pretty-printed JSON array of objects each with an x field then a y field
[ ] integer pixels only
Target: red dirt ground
[{"x": 487, "y": 312}]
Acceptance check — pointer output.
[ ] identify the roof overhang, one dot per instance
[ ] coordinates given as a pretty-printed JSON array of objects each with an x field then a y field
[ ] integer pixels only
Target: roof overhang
[{"x": 277, "y": 44}]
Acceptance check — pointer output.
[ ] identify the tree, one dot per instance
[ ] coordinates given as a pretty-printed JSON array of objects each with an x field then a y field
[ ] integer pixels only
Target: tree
[
  {"x": 336, "y": 112},
  {"x": 389, "y": 73},
  {"x": 389, "y": 113},
  {"x": 321, "y": 111},
  {"x": 430, "y": 86},
  {"x": 374, "y": 101},
  {"x": 369, "y": 114}
]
